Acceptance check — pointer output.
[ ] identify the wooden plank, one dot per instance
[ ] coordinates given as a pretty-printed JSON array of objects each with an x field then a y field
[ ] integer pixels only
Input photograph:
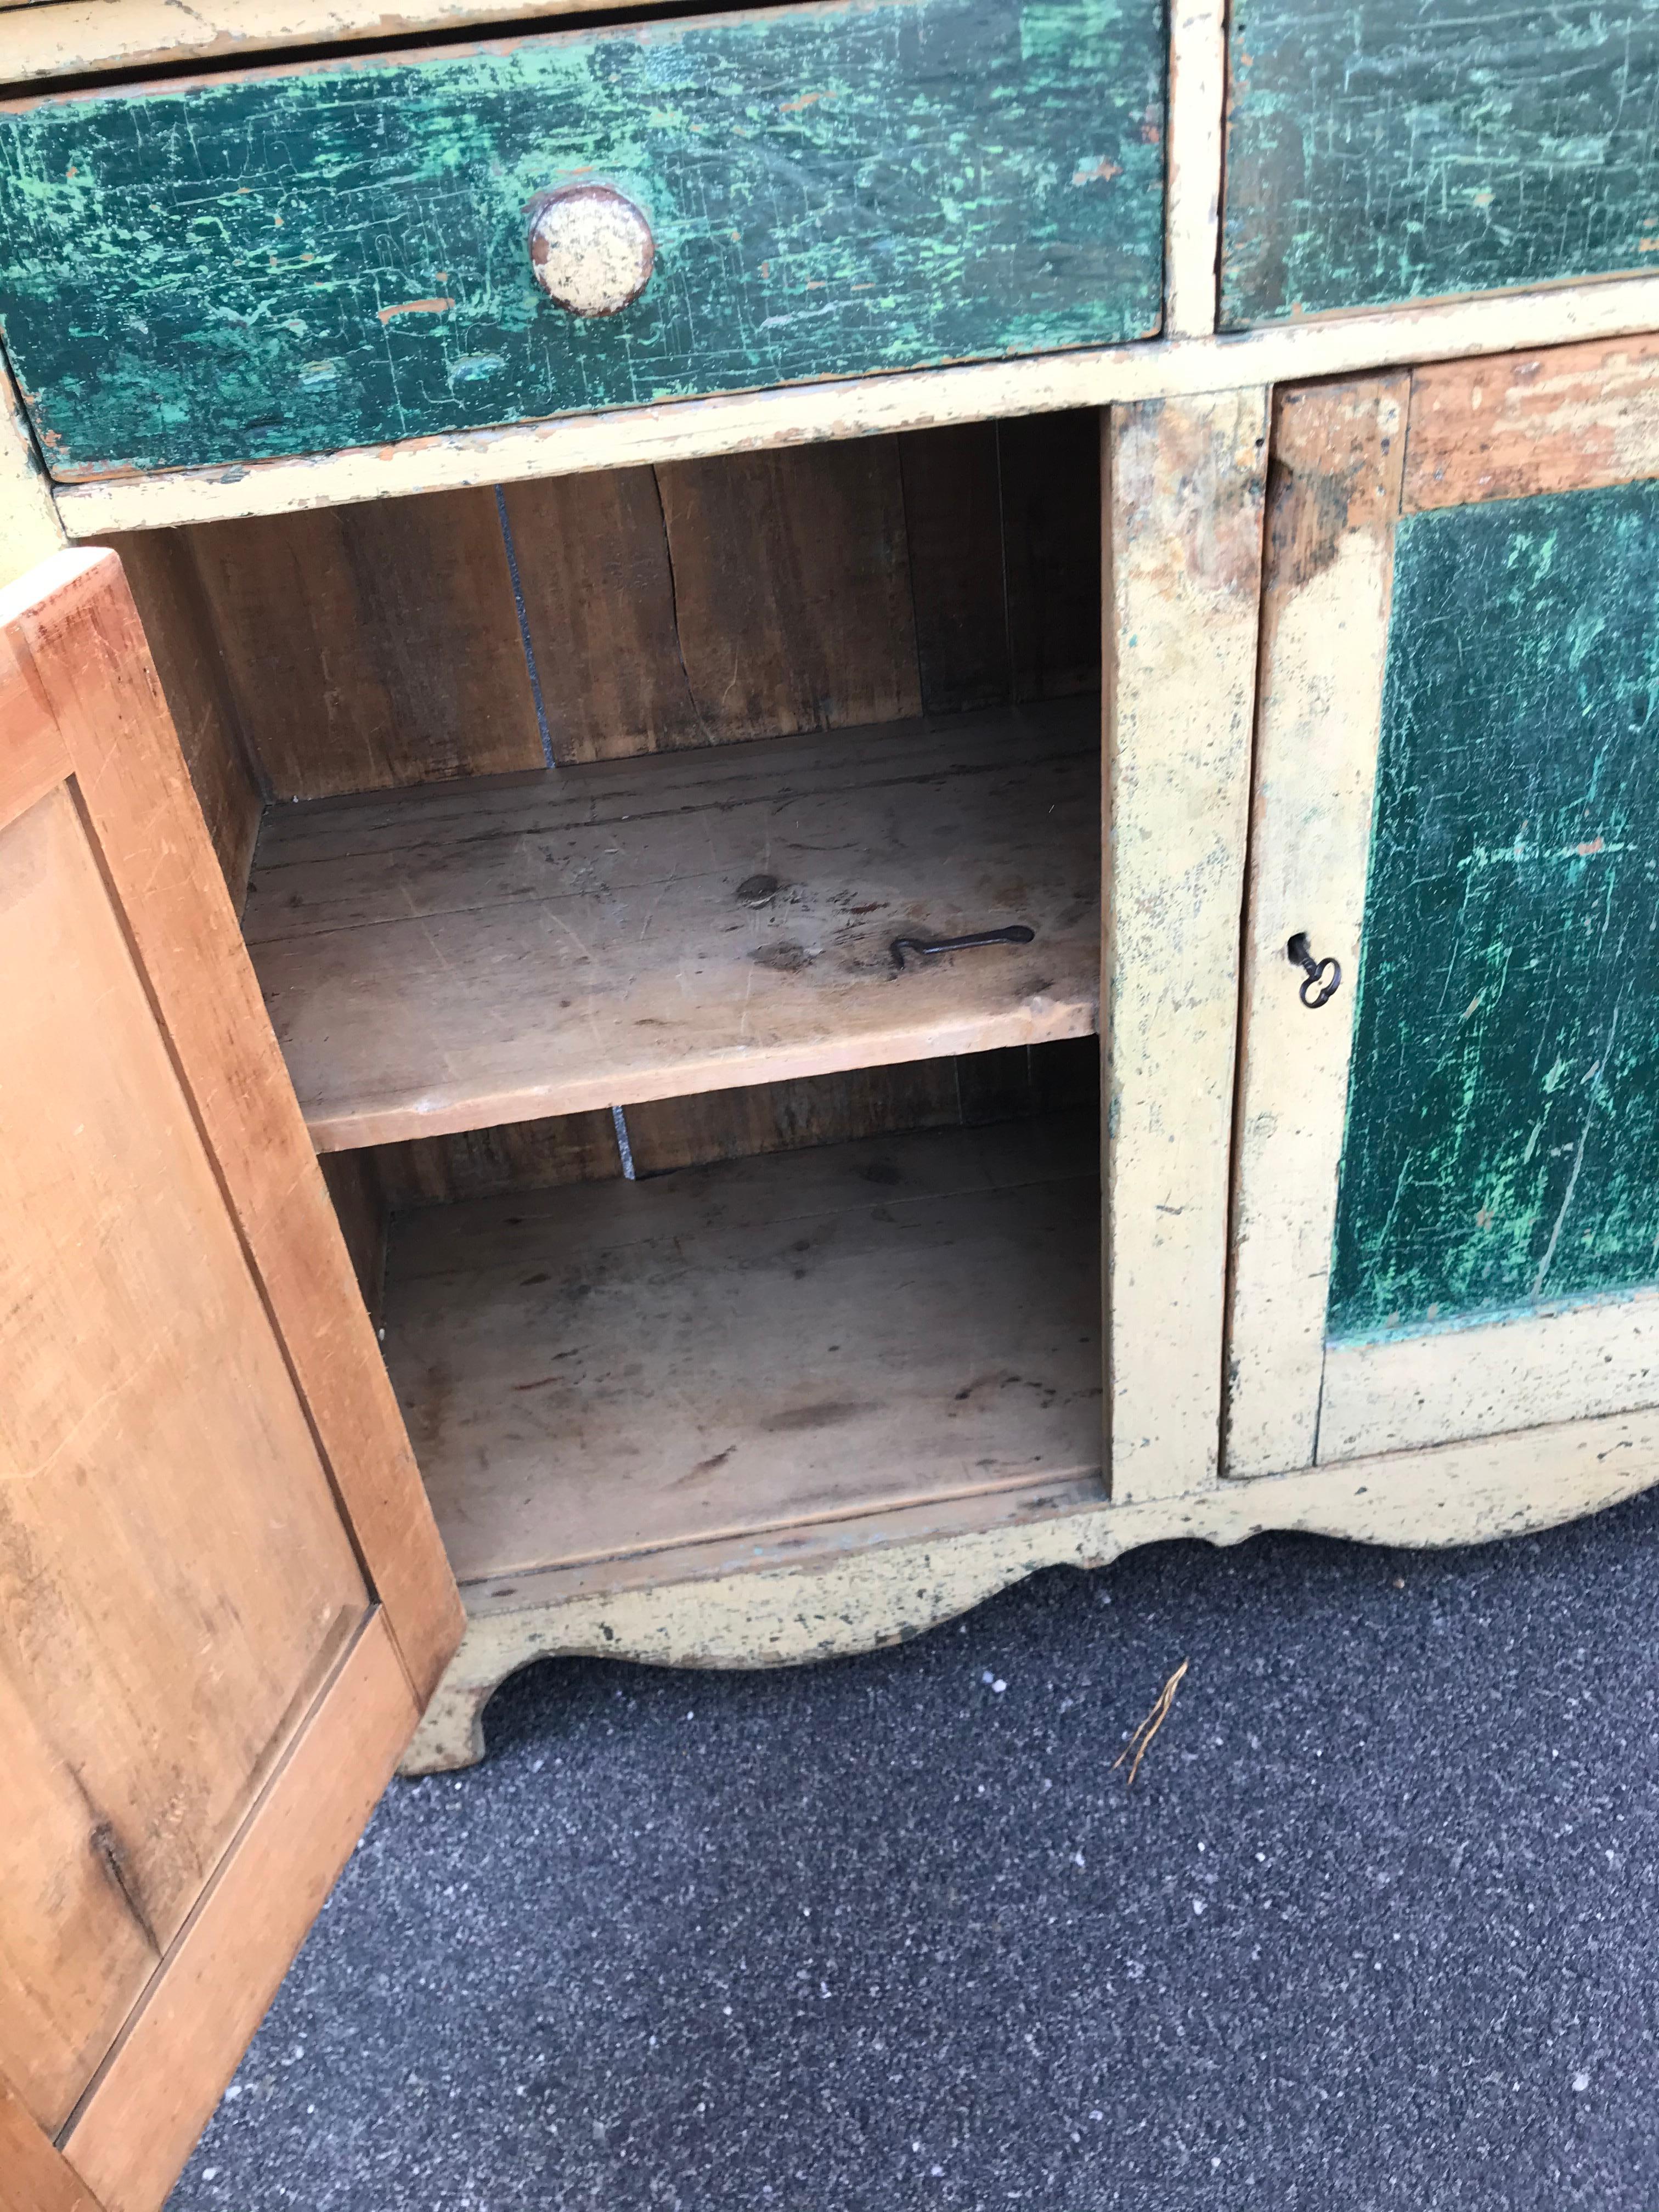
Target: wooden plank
[
  {"x": 875, "y": 1323},
  {"x": 77, "y": 622},
  {"x": 162, "y": 577},
  {"x": 354, "y": 1191},
  {"x": 1504, "y": 1107},
  {"x": 33, "y": 754},
  {"x": 1183, "y": 518},
  {"x": 174, "y": 1579},
  {"x": 792, "y": 589},
  {"x": 953, "y": 525},
  {"x": 460, "y": 958},
  {"x": 1050, "y": 479},
  {"x": 34, "y": 2175},
  {"x": 805, "y": 414},
  {"x": 1396, "y": 149},
  {"x": 775, "y": 1117},
  {"x": 137, "y": 2126},
  {"x": 1574, "y": 418},
  {"x": 484, "y": 1162},
  {"x": 44, "y": 39},
  {"x": 1004, "y": 160},
  {"x": 373, "y": 648},
  {"x": 1333, "y": 499},
  {"x": 597, "y": 584},
  {"x": 1198, "y": 91},
  {"x": 1563, "y": 1364}
]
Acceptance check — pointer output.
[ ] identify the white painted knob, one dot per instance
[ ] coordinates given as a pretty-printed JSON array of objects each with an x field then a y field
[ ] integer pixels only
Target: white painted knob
[{"x": 591, "y": 248}]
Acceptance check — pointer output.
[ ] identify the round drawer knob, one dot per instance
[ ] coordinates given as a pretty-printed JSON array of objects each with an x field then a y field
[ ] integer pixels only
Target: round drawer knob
[{"x": 591, "y": 248}]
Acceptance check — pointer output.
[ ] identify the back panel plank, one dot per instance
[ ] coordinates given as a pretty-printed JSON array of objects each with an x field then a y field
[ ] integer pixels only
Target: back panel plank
[
  {"x": 373, "y": 646},
  {"x": 162, "y": 575},
  {"x": 1399, "y": 149},
  {"x": 792, "y": 589}
]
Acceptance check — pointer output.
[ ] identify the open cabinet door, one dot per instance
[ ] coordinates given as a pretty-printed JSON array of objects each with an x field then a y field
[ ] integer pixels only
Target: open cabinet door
[
  {"x": 1446, "y": 1202},
  {"x": 222, "y": 1600}
]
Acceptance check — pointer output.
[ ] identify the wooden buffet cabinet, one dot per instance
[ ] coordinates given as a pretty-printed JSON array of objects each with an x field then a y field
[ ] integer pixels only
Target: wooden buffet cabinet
[{"x": 558, "y": 571}]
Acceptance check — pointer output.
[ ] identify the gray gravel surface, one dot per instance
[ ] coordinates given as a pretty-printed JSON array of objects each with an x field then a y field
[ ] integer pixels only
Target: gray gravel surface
[{"x": 1376, "y": 1927}]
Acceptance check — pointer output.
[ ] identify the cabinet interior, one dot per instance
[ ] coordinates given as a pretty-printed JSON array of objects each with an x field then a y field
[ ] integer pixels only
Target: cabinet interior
[{"x": 573, "y": 826}]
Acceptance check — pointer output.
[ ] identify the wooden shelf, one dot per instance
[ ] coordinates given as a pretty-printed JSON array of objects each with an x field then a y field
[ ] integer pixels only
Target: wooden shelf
[
  {"x": 498, "y": 949},
  {"x": 619, "y": 1368}
]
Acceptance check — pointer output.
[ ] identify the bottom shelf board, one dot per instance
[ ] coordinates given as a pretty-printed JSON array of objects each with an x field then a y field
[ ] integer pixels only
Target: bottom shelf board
[{"x": 618, "y": 1368}]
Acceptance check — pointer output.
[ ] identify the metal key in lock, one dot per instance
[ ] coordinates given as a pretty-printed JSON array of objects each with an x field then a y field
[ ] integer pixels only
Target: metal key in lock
[{"x": 1321, "y": 979}]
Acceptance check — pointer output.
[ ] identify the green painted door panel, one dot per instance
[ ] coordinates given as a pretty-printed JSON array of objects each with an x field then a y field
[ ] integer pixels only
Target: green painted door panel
[
  {"x": 302, "y": 260},
  {"x": 1502, "y": 1148},
  {"x": 1381, "y": 150}
]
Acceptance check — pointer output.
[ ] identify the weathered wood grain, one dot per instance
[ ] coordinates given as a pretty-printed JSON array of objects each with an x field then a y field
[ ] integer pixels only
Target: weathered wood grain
[
  {"x": 469, "y": 1163},
  {"x": 1182, "y": 521},
  {"x": 598, "y": 582},
  {"x": 1571, "y": 418},
  {"x": 1334, "y": 496},
  {"x": 162, "y": 575},
  {"x": 1050, "y": 471},
  {"x": 174, "y": 1577},
  {"x": 37, "y": 2177},
  {"x": 1502, "y": 1135},
  {"x": 372, "y": 648},
  {"x": 333, "y": 255},
  {"x": 791, "y": 588},
  {"x": 464, "y": 955},
  {"x": 856, "y": 1325},
  {"x": 158, "y": 2091},
  {"x": 1396, "y": 149},
  {"x": 810, "y": 413},
  {"x": 77, "y": 624}
]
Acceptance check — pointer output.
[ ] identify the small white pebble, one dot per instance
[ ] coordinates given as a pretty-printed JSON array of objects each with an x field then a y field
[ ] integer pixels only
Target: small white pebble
[
  {"x": 1198, "y": 1904},
  {"x": 233, "y": 2093},
  {"x": 1077, "y": 1858},
  {"x": 1097, "y": 2116},
  {"x": 937, "y": 2172},
  {"x": 209, "y": 2173},
  {"x": 537, "y": 1765},
  {"x": 1580, "y": 2082},
  {"x": 998, "y": 1686},
  {"x": 986, "y": 1678}
]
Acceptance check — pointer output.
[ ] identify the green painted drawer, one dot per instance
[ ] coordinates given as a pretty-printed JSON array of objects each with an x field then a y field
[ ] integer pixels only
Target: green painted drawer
[
  {"x": 1382, "y": 150},
  {"x": 300, "y": 260},
  {"x": 1502, "y": 1145}
]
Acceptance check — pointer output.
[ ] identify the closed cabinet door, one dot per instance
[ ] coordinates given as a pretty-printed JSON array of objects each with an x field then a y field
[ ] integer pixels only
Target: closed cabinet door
[
  {"x": 222, "y": 1602},
  {"x": 1446, "y": 1181}
]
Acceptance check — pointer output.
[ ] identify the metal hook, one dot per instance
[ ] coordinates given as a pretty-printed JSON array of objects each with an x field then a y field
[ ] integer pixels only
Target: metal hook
[
  {"x": 925, "y": 947},
  {"x": 1316, "y": 991}
]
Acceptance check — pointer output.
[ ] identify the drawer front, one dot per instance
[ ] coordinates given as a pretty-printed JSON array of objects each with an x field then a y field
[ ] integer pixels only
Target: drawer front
[
  {"x": 298, "y": 260},
  {"x": 1401, "y": 149}
]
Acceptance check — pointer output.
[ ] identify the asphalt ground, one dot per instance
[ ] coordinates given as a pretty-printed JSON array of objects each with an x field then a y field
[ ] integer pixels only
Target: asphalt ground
[{"x": 1375, "y": 1926}]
